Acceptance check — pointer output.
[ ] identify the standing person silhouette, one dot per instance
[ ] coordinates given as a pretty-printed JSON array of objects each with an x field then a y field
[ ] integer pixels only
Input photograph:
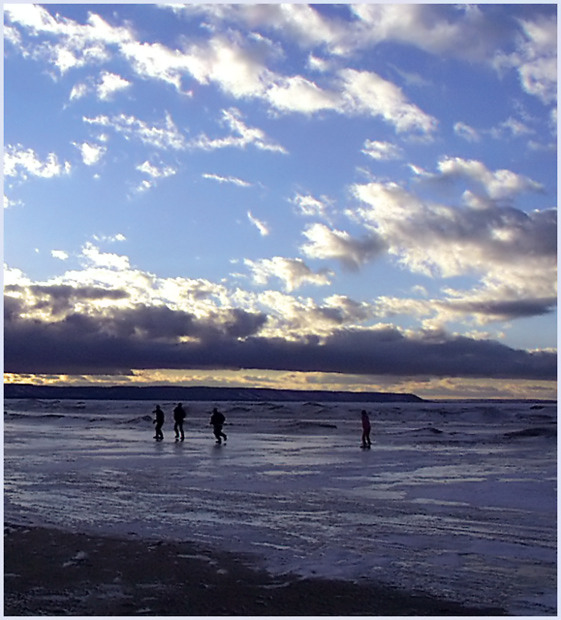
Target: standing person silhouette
[
  {"x": 365, "y": 430},
  {"x": 178, "y": 416},
  {"x": 217, "y": 419},
  {"x": 159, "y": 422}
]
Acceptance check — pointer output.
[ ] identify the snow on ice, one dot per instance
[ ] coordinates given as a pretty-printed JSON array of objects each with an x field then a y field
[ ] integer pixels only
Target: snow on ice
[{"x": 457, "y": 499}]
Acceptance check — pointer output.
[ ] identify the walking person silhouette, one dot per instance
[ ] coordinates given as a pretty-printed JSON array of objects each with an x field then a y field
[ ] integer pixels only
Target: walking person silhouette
[
  {"x": 217, "y": 419},
  {"x": 159, "y": 422},
  {"x": 178, "y": 416},
  {"x": 365, "y": 430}
]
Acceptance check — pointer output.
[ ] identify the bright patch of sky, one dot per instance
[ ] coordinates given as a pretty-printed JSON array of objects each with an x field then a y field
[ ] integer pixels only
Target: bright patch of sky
[{"x": 365, "y": 190}]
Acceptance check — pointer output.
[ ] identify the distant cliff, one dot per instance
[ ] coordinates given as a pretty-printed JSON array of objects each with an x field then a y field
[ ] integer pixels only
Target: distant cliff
[{"x": 177, "y": 393}]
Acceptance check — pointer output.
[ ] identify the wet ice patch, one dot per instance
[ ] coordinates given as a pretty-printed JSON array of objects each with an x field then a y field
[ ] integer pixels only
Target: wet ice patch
[{"x": 455, "y": 499}]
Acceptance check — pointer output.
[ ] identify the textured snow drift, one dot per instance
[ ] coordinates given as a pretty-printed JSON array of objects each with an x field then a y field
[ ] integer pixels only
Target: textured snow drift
[{"x": 455, "y": 499}]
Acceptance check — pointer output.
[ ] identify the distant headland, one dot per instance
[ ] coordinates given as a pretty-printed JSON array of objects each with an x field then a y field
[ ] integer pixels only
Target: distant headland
[{"x": 202, "y": 393}]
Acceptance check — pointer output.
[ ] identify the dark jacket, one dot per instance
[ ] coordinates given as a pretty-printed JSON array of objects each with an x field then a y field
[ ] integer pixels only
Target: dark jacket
[{"x": 217, "y": 418}]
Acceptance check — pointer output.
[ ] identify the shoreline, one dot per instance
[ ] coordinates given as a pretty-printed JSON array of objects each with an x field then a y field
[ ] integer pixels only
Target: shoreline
[{"x": 58, "y": 573}]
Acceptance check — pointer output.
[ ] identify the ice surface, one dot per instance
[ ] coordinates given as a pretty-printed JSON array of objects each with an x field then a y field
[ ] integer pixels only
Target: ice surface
[{"x": 455, "y": 499}]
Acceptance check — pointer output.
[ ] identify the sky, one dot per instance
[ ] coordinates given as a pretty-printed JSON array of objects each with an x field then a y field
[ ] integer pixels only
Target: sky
[{"x": 351, "y": 197}]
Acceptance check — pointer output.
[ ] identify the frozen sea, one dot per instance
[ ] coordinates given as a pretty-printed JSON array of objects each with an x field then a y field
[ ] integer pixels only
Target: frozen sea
[{"x": 457, "y": 499}]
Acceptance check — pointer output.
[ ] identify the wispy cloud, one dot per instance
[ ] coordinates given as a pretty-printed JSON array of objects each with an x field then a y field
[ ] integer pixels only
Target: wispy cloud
[
  {"x": 163, "y": 135},
  {"x": 104, "y": 88},
  {"x": 310, "y": 206},
  {"x": 241, "y": 136},
  {"x": 261, "y": 226},
  {"x": 154, "y": 173},
  {"x": 466, "y": 132},
  {"x": 380, "y": 150},
  {"x": 231, "y": 180}
]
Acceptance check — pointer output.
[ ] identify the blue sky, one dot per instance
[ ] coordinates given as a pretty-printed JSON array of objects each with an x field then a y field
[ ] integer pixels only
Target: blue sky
[{"x": 301, "y": 196}]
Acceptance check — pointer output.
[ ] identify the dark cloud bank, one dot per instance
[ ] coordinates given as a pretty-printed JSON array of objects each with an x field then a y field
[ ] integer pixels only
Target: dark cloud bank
[{"x": 147, "y": 338}]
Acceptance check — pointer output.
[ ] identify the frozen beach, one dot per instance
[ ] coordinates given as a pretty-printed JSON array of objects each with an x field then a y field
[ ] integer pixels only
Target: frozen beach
[{"x": 457, "y": 500}]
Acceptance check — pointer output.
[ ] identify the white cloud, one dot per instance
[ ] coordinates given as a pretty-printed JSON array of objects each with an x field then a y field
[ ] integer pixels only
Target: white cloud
[
  {"x": 262, "y": 227},
  {"x": 464, "y": 32},
  {"x": 535, "y": 59},
  {"x": 113, "y": 262},
  {"x": 367, "y": 93},
  {"x": 60, "y": 254},
  {"x": 411, "y": 79},
  {"x": 499, "y": 184},
  {"x": 156, "y": 172},
  {"x": 466, "y": 132},
  {"x": 237, "y": 65},
  {"x": 311, "y": 206},
  {"x": 79, "y": 91},
  {"x": 326, "y": 243},
  {"x": 512, "y": 127},
  {"x": 91, "y": 153},
  {"x": 32, "y": 16},
  {"x": 320, "y": 65},
  {"x": 14, "y": 277},
  {"x": 301, "y": 22},
  {"x": 144, "y": 186},
  {"x": 512, "y": 252},
  {"x": 380, "y": 150},
  {"x": 77, "y": 44},
  {"x": 22, "y": 162},
  {"x": 164, "y": 135},
  {"x": 228, "y": 62},
  {"x": 104, "y": 88},
  {"x": 158, "y": 62},
  {"x": 293, "y": 272},
  {"x": 109, "y": 84},
  {"x": 538, "y": 66},
  {"x": 229, "y": 179},
  {"x": 297, "y": 94},
  {"x": 110, "y": 238},
  {"x": 241, "y": 136}
]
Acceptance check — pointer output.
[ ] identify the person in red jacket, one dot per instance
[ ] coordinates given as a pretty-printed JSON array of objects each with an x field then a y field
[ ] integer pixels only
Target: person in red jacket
[{"x": 365, "y": 430}]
